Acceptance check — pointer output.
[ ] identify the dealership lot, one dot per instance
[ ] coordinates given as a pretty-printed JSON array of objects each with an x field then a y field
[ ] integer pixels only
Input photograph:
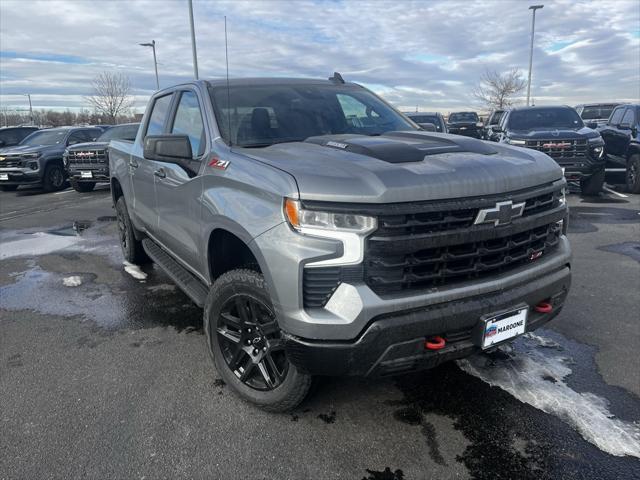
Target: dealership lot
[{"x": 104, "y": 372}]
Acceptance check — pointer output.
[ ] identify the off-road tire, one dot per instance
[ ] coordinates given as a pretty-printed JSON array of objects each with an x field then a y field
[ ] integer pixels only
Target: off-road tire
[
  {"x": 131, "y": 248},
  {"x": 9, "y": 188},
  {"x": 54, "y": 177},
  {"x": 632, "y": 177},
  {"x": 83, "y": 187},
  {"x": 593, "y": 184},
  {"x": 295, "y": 385}
]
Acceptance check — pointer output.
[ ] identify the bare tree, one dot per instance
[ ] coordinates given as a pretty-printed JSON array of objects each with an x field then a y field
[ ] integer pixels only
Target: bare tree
[
  {"x": 111, "y": 95},
  {"x": 497, "y": 91}
]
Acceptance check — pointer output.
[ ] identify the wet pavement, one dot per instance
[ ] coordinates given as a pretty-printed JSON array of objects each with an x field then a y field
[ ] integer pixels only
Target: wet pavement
[{"x": 104, "y": 373}]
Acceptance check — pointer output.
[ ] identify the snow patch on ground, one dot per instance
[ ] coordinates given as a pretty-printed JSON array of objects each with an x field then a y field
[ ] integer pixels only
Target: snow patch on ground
[
  {"x": 134, "y": 271},
  {"x": 537, "y": 376},
  {"x": 73, "y": 281},
  {"x": 39, "y": 243}
]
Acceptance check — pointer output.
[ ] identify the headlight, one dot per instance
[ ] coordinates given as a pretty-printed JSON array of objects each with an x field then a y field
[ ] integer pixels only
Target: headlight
[
  {"x": 563, "y": 195},
  {"x": 301, "y": 219},
  {"x": 597, "y": 147},
  {"x": 348, "y": 228},
  {"x": 512, "y": 141},
  {"x": 31, "y": 156}
]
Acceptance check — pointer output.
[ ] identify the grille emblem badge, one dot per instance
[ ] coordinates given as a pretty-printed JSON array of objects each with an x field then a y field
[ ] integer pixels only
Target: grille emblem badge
[{"x": 501, "y": 214}]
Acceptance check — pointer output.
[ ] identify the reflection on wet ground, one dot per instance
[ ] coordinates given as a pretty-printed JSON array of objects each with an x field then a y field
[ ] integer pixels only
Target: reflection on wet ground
[
  {"x": 630, "y": 249},
  {"x": 583, "y": 219}
]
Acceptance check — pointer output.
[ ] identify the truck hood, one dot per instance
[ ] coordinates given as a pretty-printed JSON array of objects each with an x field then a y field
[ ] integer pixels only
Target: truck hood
[
  {"x": 88, "y": 146},
  {"x": 405, "y": 167},
  {"x": 43, "y": 149},
  {"x": 553, "y": 133}
]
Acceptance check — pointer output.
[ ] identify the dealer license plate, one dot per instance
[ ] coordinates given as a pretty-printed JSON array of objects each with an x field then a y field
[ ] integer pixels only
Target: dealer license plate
[
  {"x": 86, "y": 174},
  {"x": 504, "y": 326},
  {"x": 4, "y": 176}
]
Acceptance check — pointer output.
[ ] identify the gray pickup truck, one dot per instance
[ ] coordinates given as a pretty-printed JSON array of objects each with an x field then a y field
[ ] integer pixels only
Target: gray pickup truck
[{"x": 324, "y": 234}]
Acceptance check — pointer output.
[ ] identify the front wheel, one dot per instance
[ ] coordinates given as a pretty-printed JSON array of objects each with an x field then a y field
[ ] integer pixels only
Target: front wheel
[
  {"x": 54, "y": 178},
  {"x": 131, "y": 247},
  {"x": 83, "y": 187},
  {"x": 633, "y": 174},
  {"x": 246, "y": 343},
  {"x": 593, "y": 184}
]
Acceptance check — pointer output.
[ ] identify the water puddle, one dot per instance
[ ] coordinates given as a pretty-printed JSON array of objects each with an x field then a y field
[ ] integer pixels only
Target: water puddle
[{"x": 630, "y": 249}]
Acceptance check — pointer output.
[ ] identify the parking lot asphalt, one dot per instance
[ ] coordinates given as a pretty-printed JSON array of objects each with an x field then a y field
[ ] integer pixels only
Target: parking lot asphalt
[{"x": 104, "y": 373}]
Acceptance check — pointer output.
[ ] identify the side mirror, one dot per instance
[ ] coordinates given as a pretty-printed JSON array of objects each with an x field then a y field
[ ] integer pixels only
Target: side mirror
[
  {"x": 174, "y": 149},
  {"x": 592, "y": 125},
  {"x": 496, "y": 129},
  {"x": 624, "y": 126},
  {"x": 428, "y": 127}
]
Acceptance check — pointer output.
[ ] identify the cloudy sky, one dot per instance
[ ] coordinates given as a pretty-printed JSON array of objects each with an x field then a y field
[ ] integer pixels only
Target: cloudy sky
[{"x": 425, "y": 53}]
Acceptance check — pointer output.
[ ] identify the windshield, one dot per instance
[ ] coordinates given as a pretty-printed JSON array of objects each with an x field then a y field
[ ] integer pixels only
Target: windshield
[
  {"x": 263, "y": 115},
  {"x": 120, "y": 132},
  {"x": 495, "y": 118},
  {"x": 598, "y": 112},
  {"x": 543, "y": 118},
  {"x": 427, "y": 119},
  {"x": 45, "y": 137},
  {"x": 463, "y": 117}
]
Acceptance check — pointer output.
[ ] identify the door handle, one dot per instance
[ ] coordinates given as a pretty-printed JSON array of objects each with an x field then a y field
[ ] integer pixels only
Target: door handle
[{"x": 160, "y": 173}]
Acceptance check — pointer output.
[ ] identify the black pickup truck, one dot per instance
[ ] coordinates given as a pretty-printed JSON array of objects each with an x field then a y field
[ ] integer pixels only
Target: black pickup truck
[
  {"x": 88, "y": 163},
  {"x": 559, "y": 132},
  {"x": 622, "y": 143},
  {"x": 465, "y": 123}
]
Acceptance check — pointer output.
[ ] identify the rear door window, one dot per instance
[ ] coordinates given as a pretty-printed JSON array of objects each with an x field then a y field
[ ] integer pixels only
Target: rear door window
[
  {"x": 628, "y": 117},
  {"x": 158, "y": 116},
  {"x": 188, "y": 121}
]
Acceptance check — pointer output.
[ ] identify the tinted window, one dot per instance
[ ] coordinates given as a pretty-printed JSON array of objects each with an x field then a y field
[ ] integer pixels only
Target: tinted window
[
  {"x": 463, "y": 117},
  {"x": 188, "y": 121},
  {"x": 543, "y": 118},
  {"x": 45, "y": 137},
  {"x": 91, "y": 135},
  {"x": 616, "y": 116},
  {"x": 120, "y": 132},
  {"x": 495, "y": 118},
  {"x": 596, "y": 112},
  {"x": 77, "y": 137},
  {"x": 259, "y": 116},
  {"x": 10, "y": 137},
  {"x": 159, "y": 115},
  {"x": 628, "y": 117}
]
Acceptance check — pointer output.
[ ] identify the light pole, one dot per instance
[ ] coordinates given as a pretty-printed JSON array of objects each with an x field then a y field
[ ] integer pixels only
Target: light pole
[
  {"x": 28, "y": 95},
  {"x": 155, "y": 62},
  {"x": 193, "y": 41},
  {"x": 533, "y": 28}
]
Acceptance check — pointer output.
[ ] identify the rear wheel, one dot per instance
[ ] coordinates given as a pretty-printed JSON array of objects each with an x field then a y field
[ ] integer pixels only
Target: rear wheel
[
  {"x": 246, "y": 343},
  {"x": 131, "y": 248},
  {"x": 9, "y": 188},
  {"x": 593, "y": 184},
  {"x": 633, "y": 174},
  {"x": 83, "y": 186},
  {"x": 53, "y": 177}
]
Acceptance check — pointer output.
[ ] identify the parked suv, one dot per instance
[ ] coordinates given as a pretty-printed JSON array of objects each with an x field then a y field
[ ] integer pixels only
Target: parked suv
[
  {"x": 10, "y": 136},
  {"x": 492, "y": 124},
  {"x": 465, "y": 123},
  {"x": 434, "y": 118},
  {"x": 88, "y": 163},
  {"x": 596, "y": 112},
  {"x": 323, "y": 234},
  {"x": 37, "y": 160},
  {"x": 560, "y": 133},
  {"x": 622, "y": 142}
]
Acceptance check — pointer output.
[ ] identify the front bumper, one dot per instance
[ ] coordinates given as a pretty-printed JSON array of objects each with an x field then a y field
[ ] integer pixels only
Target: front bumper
[
  {"x": 25, "y": 176},
  {"x": 98, "y": 174},
  {"x": 394, "y": 343}
]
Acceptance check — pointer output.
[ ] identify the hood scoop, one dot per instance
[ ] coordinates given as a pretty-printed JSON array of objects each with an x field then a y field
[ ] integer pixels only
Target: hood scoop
[{"x": 401, "y": 147}]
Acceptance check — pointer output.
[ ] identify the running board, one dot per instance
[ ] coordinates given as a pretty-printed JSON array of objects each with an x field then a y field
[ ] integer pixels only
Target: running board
[{"x": 187, "y": 282}]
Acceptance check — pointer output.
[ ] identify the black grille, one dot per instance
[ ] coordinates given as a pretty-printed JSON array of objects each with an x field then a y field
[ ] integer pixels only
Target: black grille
[
  {"x": 560, "y": 149},
  {"x": 455, "y": 218},
  {"x": 446, "y": 265},
  {"x": 87, "y": 157},
  {"x": 11, "y": 162}
]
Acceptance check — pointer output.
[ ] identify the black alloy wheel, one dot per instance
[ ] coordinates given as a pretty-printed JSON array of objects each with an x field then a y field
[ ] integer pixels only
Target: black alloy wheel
[{"x": 251, "y": 344}]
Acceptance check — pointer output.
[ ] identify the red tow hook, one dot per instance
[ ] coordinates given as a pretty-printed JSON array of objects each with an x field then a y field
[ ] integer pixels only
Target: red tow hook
[
  {"x": 543, "y": 307},
  {"x": 434, "y": 343}
]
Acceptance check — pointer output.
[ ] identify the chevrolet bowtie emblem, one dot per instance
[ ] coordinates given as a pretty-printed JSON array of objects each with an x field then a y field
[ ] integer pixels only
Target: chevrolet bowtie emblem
[{"x": 501, "y": 214}]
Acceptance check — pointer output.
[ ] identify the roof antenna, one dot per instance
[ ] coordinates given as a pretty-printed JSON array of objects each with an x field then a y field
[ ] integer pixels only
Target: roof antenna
[
  {"x": 337, "y": 78},
  {"x": 226, "y": 56}
]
